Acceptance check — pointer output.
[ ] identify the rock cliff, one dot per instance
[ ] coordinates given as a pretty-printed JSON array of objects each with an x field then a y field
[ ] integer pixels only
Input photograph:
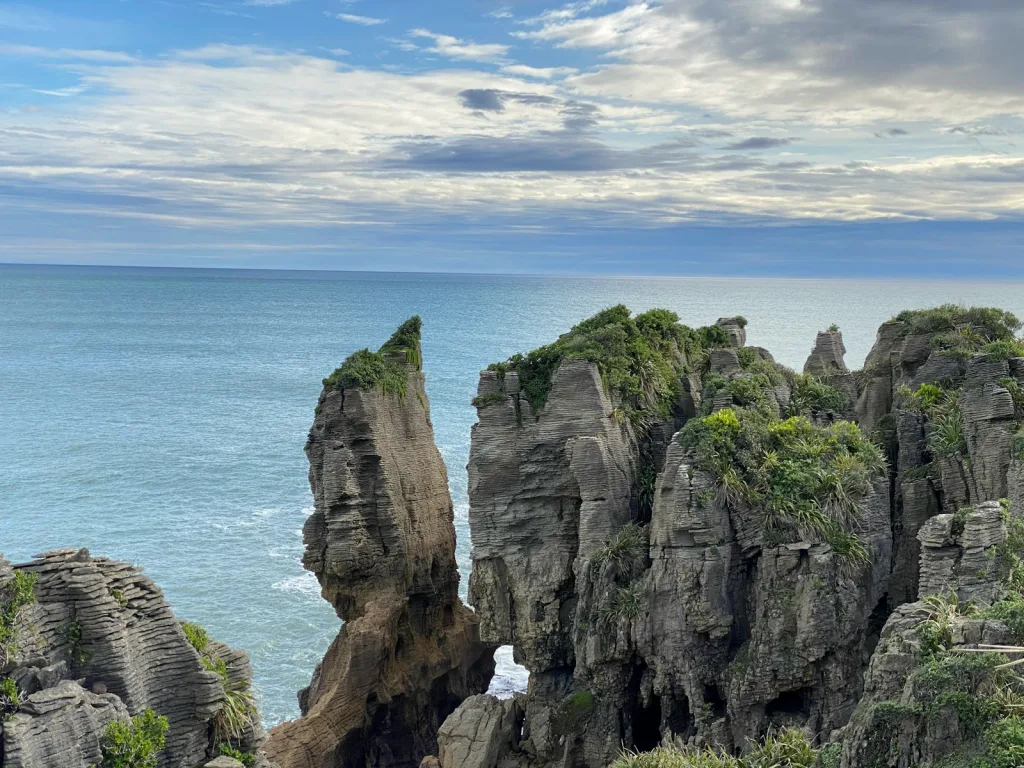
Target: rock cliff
[
  {"x": 381, "y": 542},
  {"x": 734, "y": 580},
  {"x": 90, "y": 642}
]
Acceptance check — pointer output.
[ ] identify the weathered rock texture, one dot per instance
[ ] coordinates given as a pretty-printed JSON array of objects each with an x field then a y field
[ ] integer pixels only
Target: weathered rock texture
[
  {"x": 381, "y": 541},
  {"x": 713, "y": 634},
  {"x": 101, "y": 644}
]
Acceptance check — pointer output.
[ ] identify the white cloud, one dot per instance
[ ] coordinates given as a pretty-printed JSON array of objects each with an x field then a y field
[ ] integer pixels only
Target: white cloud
[
  {"x": 231, "y": 136},
  {"x": 32, "y": 51},
  {"x": 366, "y": 21},
  {"x": 455, "y": 48},
  {"x": 541, "y": 73}
]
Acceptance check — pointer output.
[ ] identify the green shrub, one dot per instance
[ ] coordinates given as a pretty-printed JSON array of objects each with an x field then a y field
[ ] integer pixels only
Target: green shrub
[
  {"x": 946, "y": 432},
  {"x": 810, "y": 394},
  {"x": 1004, "y": 349},
  {"x": 72, "y": 634},
  {"x": 492, "y": 398},
  {"x": 1004, "y": 743},
  {"x": 10, "y": 699},
  {"x": 136, "y": 744},
  {"x": 626, "y": 603},
  {"x": 990, "y": 323},
  {"x": 195, "y": 635},
  {"x": 809, "y": 480},
  {"x": 384, "y": 369},
  {"x": 18, "y": 593},
  {"x": 830, "y": 756},
  {"x": 628, "y": 550},
  {"x": 640, "y": 358},
  {"x": 245, "y": 758},
  {"x": 787, "y": 748}
]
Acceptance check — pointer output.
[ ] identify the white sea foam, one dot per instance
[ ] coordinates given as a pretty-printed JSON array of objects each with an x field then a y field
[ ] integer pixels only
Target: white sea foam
[
  {"x": 305, "y": 584},
  {"x": 509, "y": 678}
]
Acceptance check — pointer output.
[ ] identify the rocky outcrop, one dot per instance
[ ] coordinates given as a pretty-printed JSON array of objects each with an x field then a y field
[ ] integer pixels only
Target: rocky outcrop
[
  {"x": 479, "y": 732},
  {"x": 827, "y": 362},
  {"x": 97, "y": 643},
  {"x": 381, "y": 542}
]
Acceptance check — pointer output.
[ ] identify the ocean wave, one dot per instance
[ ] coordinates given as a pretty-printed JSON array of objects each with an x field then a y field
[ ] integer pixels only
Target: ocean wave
[{"x": 305, "y": 584}]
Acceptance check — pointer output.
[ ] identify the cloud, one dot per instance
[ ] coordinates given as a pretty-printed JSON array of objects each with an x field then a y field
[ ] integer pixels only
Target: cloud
[
  {"x": 269, "y": 3},
  {"x": 31, "y": 51},
  {"x": 226, "y": 138},
  {"x": 366, "y": 21},
  {"x": 541, "y": 73},
  {"x": 841, "y": 61},
  {"x": 891, "y": 133},
  {"x": 761, "y": 142},
  {"x": 455, "y": 48}
]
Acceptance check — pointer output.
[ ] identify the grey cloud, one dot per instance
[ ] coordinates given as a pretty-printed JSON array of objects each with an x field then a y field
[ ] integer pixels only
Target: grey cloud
[
  {"x": 553, "y": 152},
  {"x": 891, "y": 132},
  {"x": 483, "y": 99},
  {"x": 979, "y": 130},
  {"x": 761, "y": 142}
]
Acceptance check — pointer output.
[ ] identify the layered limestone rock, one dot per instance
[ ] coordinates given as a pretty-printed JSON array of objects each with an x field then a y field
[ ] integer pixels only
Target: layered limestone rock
[
  {"x": 931, "y": 691},
  {"x": 681, "y": 625},
  {"x": 381, "y": 542},
  {"x": 98, "y": 643}
]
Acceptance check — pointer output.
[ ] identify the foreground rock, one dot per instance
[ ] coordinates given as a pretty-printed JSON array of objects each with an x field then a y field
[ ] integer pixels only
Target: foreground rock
[
  {"x": 381, "y": 541},
  {"x": 96, "y": 643}
]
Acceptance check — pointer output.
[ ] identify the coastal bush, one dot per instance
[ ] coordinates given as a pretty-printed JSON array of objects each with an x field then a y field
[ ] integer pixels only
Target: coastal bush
[
  {"x": 811, "y": 394},
  {"x": 627, "y": 549},
  {"x": 640, "y": 358},
  {"x": 15, "y": 595},
  {"x": 989, "y": 323},
  {"x": 135, "y": 744},
  {"x": 626, "y": 603},
  {"x": 809, "y": 480},
  {"x": 383, "y": 369},
  {"x": 245, "y": 758},
  {"x": 195, "y": 635},
  {"x": 786, "y": 748},
  {"x": 10, "y": 699},
  {"x": 492, "y": 398}
]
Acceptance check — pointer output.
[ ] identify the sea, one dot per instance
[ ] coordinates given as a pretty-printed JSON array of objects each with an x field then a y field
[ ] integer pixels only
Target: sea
[{"x": 159, "y": 415}]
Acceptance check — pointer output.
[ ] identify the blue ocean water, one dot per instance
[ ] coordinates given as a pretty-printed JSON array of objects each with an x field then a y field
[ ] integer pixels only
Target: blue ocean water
[{"x": 159, "y": 416}]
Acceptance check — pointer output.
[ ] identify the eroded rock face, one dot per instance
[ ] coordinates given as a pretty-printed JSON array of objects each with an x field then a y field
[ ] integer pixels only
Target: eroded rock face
[
  {"x": 100, "y": 644},
  {"x": 381, "y": 541}
]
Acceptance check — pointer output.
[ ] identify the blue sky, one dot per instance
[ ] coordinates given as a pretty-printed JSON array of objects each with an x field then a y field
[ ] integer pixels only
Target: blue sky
[{"x": 790, "y": 137}]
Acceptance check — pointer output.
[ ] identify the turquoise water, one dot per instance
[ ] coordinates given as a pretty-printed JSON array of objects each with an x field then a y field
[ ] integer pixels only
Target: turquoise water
[{"x": 159, "y": 416}]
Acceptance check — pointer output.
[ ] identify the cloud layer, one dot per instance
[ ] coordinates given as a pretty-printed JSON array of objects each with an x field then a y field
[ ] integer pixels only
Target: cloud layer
[{"x": 685, "y": 111}]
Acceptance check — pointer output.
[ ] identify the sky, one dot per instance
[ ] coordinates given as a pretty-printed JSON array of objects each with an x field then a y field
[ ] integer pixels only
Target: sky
[{"x": 775, "y": 137}]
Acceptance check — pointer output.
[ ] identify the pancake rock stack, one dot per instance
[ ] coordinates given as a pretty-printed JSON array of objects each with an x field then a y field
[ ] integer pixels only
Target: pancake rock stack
[
  {"x": 90, "y": 642},
  {"x": 381, "y": 541}
]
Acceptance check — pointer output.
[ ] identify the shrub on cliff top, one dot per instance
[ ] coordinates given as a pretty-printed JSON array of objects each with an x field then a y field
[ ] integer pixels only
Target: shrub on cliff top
[
  {"x": 808, "y": 480},
  {"x": 640, "y": 358},
  {"x": 987, "y": 323},
  {"x": 195, "y": 635},
  {"x": 135, "y": 744},
  {"x": 384, "y": 368},
  {"x": 786, "y": 748}
]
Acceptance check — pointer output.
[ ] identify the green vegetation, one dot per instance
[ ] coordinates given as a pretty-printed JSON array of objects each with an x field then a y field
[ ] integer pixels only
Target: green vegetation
[
  {"x": 628, "y": 550},
  {"x": 10, "y": 699},
  {"x": 640, "y": 358},
  {"x": 494, "y": 398},
  {"x": 834, "y": 328},
  {"x": 72, "y": 633},
  {"x": 239, "y": 710},
  {"x": 136, "y": 744},
  {"x": 627, "y": 603},
  {"x": 809, "y": 480},
  {"x": 195, "y": 635},
  {"x": 787, "y": 748},
  {"x": 14, "y": 596},
  {"x": 1016, "y": 391},
  {"x": 810, "y": 394},
  {"x": 118, "y": 595},
  {"x": 988, "y": 323},
  {"x": 573, "y": 713},
  {"x": 386, "y": 368},
  {"x": 830, "y": 755},
  {"x": 245, "y": 758}
]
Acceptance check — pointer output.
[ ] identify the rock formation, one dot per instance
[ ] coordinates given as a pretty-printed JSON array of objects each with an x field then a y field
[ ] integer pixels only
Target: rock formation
[
  {"x": 719, "y": 604},
  {"x": 381, "y": 542},
  {"x": 87, "y": 642}
]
